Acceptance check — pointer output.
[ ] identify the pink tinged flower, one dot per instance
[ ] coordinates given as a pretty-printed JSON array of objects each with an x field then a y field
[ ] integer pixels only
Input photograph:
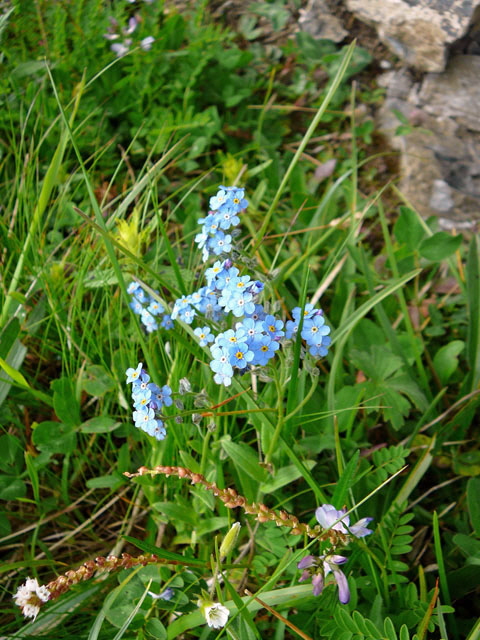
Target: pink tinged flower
[{"x": 317, "y": 583}]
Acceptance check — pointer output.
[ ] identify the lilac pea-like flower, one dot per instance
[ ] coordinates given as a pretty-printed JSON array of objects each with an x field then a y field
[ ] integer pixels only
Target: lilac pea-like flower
[
  {"x": 134, "y": 374},
  {"x": 319, "y": 568},
  {"x": 132, "y": 25},
  {"x": 146, "y": 43},
  {"x": 166, "y": 594},
  {"x": 120, "y": 49},
  {"x": 330, "y": 518}
]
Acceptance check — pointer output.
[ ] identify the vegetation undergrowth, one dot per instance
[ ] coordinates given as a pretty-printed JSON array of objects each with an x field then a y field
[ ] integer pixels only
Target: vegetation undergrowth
[{"x": 245, "y": 410}]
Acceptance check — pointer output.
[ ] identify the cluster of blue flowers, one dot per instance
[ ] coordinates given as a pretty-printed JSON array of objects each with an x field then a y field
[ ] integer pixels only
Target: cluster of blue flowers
[
  {"x": 148, "y": 400},
  {"x": 314, "y": 330},
  {"x": 151, "y": 312},
  {"x": 257, "y": 336},
  {"x": 223, "y": 215}
]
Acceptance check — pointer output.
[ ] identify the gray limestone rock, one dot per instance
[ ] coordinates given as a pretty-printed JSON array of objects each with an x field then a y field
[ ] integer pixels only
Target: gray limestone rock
[
  {"x": 419, "y": 31},
  {"x": 440, "y": 158},
  {"x": 317, "y": 20}
]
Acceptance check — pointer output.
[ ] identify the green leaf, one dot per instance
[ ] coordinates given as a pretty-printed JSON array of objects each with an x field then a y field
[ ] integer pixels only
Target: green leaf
[
  {"x": 467, "y": 463},
  {"x": 14, "y": 374},
  {"x": 54, "y": 437},
  {"x": 445, "y": 360},
  {"x": 473, "y": 503},
  {"x": 101, "y": 424},
  {"x": 12, "y": 488},
  {"x": 156, "y": 629},
  {"x": 111, "y": 481},
  {"x": 65, "y": 403},
  {"x": 11, "y": 454},
  {"x": 469, "y": 546},
  {"x": 244, "y": 458},
  {"x": 175, "y": 558},
  {"x": 283, "y": 476},
  {"x": 440, "y": 246},
  {"x": 408, "y": 229},
  {"x": 473, "y": 306},
  {"x": 176, "y": 512},
  {"x": 97, "y": 381},
  {"x": 346, "y": 481}
]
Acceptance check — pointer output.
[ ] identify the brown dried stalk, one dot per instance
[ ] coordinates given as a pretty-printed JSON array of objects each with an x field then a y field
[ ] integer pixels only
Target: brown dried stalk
[
  {"x": 262, "y": 513},
  {"x": 63, "y": 583}
]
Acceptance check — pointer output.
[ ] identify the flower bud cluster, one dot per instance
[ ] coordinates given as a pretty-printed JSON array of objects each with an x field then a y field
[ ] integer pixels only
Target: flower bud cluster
[
  {"x": 148, "y": 400},
  {"x": 150, "y": 310}
]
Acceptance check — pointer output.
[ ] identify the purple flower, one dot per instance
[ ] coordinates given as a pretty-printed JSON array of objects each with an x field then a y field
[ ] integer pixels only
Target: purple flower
[
  {"x": 318, "y": 569},
  {"x": 330, "y": 518}
]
